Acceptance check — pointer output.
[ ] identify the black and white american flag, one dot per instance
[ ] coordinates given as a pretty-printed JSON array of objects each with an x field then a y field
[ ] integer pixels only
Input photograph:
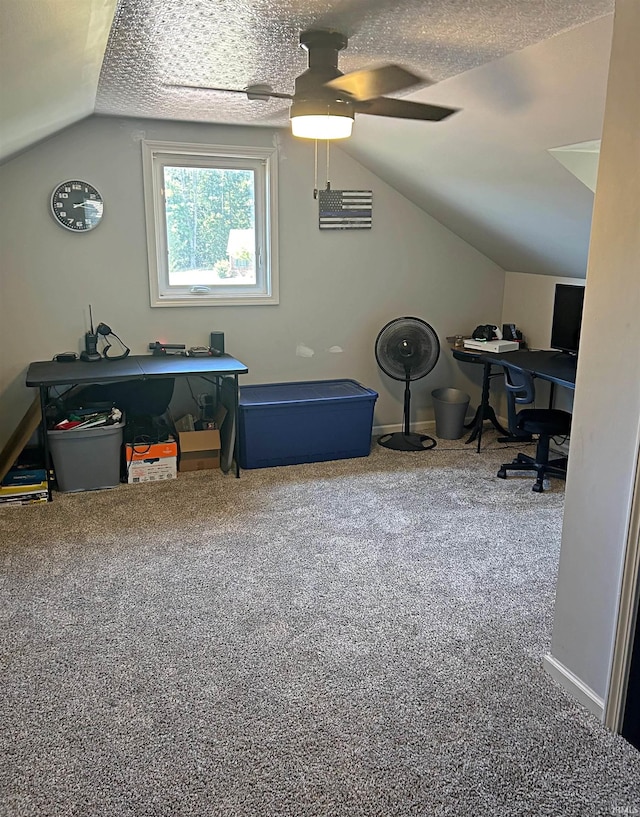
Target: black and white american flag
[{"x": 345, "y": 209}]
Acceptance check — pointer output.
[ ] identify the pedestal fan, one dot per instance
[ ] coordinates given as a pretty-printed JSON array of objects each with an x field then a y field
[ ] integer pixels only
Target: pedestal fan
[{"x": 407, "y": 349}]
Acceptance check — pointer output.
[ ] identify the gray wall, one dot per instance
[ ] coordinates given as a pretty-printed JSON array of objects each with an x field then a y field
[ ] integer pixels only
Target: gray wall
[
  {"x": 606, "y": 428},
  {"x": 528, "y": 302},
  {"x": 336, "y": 289}
]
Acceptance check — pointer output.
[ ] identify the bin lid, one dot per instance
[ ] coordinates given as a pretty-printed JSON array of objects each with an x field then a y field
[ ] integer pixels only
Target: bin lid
[{"x": 304, "y": 392}]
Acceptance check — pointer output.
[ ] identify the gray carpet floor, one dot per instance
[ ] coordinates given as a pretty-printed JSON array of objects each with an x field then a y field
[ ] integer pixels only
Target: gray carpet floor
[{"x": 359, "y": 637}]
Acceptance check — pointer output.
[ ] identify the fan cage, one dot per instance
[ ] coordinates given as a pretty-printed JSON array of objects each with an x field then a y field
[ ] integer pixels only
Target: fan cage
[{"x": 407, "y": 347}]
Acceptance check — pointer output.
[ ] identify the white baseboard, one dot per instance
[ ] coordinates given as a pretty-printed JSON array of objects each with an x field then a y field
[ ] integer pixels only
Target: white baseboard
[
  {"x": 574, "y": 686},
  {"x": 423, "y": 427}
]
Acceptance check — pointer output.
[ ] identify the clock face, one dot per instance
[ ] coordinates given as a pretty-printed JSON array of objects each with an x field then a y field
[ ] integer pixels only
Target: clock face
[{"x": 77, "y": 206}]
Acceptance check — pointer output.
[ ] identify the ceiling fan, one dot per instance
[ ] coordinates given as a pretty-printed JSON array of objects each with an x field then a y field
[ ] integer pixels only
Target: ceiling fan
[{"x": 325, "y": 100}]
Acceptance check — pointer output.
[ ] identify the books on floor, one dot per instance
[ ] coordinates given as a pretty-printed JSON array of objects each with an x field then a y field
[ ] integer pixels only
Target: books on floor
[{"x": 24, "y": 486}]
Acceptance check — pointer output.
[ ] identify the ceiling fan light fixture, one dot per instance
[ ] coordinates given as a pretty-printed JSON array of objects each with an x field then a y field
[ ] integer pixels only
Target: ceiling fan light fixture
[
  {"x": 323, "y": 126},
  {"x": 321, "y": 120}
]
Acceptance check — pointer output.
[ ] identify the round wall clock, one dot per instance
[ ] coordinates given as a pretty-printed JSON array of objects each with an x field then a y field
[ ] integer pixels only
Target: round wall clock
[{"x": 77, "y": 206}]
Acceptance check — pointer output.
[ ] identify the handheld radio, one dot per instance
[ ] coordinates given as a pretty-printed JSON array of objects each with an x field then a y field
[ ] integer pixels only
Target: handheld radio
[{"x": 90, "y": 353}]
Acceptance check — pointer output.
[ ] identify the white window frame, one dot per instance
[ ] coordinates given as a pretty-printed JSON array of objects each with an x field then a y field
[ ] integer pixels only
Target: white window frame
[{"x": 263, "y": 161}]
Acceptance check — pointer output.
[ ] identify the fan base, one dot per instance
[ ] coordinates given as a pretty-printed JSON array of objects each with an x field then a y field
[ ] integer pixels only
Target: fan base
[{"x": 399, "y": 441}]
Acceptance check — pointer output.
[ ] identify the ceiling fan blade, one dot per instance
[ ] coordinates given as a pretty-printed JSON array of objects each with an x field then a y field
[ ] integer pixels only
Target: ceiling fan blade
[
  {"x": 251, "y": 91},
  {"x": 404, "y": 109},
  {"x": 371, "y": 83}
]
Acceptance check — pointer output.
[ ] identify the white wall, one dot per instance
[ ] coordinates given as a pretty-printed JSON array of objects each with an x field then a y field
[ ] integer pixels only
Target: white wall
[
  {"x": 528, "y": 302},
  {"x": 606, "y": 427},
  {"x": 336, "y": 288}
]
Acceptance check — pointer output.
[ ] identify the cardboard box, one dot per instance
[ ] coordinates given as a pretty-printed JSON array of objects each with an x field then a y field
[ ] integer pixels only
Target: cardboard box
[
  {"x": 199, "y": 450},
  {"x": 140, "y": 452},
  {"x": 154, "y": 471},
  {"x": 151, "y": 463}
]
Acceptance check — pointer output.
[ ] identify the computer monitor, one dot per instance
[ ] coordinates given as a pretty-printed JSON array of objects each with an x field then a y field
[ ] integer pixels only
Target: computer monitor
[{"x": 567, "y": 318}]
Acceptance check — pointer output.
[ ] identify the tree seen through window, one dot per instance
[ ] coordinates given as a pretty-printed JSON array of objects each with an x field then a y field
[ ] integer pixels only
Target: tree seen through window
[{"x": 210, "y": 223}]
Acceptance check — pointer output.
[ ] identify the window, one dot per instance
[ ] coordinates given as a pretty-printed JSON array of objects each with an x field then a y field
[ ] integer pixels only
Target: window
[{"x": 211, "y": 224}]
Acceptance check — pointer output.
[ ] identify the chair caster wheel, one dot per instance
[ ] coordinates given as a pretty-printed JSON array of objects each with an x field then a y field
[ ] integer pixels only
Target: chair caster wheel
[
  {"x": 538, "y": 487},
  {"x": 502, "y": 473}
]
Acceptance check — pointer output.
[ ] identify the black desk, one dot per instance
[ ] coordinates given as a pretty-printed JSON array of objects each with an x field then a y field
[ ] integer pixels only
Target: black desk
[
  {"x": 47, "y": 373},
  {"x": 555, "y": 367}
]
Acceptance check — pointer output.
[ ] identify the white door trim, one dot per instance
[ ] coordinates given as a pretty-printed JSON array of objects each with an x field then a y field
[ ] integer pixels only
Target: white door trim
[{"x": 627, "y": 614}]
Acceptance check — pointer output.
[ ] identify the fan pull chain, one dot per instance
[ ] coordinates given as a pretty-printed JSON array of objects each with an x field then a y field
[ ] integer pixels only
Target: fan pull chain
[
  {"x": 328, "y": 182},
  {"x": 315, "y": 168}
]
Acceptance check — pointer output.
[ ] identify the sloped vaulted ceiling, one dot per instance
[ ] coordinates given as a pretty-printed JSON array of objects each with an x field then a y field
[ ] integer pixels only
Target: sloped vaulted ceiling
[
  {"x": 528, "y": 76},
  {"x": 489, "y": 174},
  {"x": 50, "y": 59}
]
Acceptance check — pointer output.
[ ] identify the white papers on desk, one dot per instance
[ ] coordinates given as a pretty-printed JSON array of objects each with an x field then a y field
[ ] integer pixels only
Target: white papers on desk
[{"x": 491, "y": 345}]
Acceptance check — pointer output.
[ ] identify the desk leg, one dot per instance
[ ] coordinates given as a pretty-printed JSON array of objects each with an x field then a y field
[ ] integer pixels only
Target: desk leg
[
  {"x": 485, "y": 410},
  {"x": 476, "y": 418},
  {"x": 44, "y": 399},
  {"x": 482, "y": 408},
  {"x": 236, "y": 429},
  {"x": 229, "y": 391}
]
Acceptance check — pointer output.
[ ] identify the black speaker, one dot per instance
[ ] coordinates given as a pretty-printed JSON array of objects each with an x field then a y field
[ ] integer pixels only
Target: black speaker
[{"x": 217, "y": 341}]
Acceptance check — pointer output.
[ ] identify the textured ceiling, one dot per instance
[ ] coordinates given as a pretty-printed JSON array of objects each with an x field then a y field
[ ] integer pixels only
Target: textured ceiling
[
  {"x": 236, "y": 43},
  {"x": 528, "y": 75}
]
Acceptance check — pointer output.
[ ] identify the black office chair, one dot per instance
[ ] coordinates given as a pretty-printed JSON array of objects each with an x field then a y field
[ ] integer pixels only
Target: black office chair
[{"x": 545, "y": 423}]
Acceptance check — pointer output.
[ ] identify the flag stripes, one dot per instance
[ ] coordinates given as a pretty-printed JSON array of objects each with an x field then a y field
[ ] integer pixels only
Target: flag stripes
[{"x": 345, "y": 209}]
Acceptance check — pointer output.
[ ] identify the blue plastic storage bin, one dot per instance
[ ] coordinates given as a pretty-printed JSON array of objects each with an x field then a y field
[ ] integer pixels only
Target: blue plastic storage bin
[{"x": 311, "y": 421}]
